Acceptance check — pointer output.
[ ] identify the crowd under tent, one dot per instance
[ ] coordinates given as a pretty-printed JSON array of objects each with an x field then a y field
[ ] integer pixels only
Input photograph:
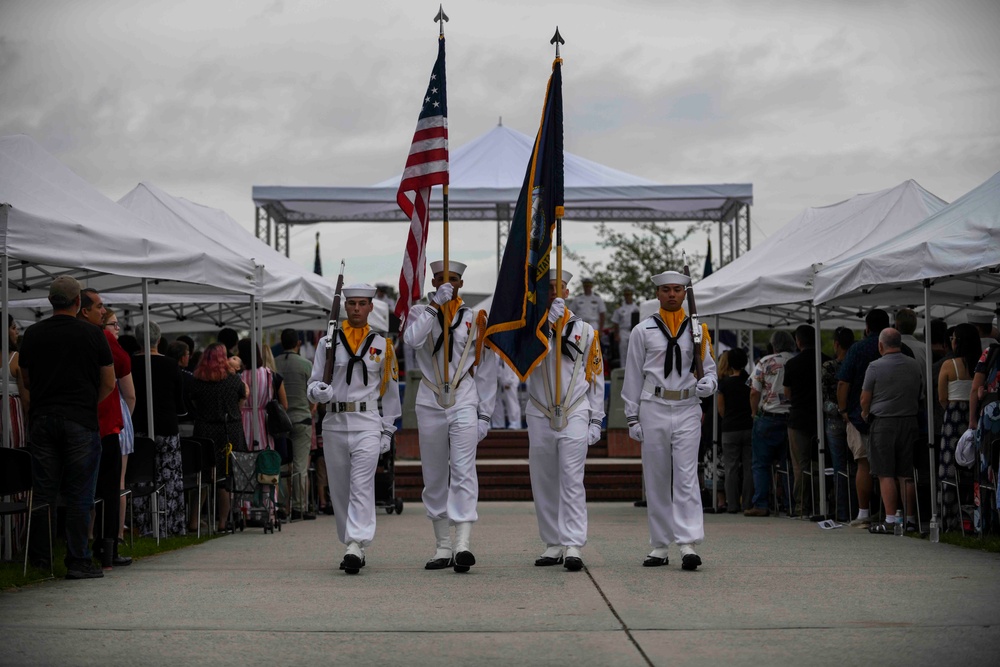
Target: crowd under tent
[{"x": 486, "y": 175}]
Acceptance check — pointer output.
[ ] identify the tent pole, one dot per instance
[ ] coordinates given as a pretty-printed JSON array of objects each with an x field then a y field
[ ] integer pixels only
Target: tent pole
[
  {"x": 716, "y": 436},
  {"x": 928, "y": 369},
  {"x": 147, "y": 358},
  {"x": 820, "y": 435},
  {"x": 7, "y": 415}
]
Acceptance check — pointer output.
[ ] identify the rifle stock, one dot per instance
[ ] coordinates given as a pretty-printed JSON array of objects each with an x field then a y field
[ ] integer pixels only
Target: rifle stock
[{"x": 333, "y": 326}]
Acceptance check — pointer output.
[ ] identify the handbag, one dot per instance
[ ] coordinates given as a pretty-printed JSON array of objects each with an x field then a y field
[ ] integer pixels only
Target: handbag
[{"x": 277, "y": 420}]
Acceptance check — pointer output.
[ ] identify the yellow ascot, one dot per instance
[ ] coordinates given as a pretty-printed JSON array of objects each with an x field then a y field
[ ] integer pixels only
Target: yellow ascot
[
  {"x": 673, "y": 320},
  {"x": 354, "y": 336},
  {"x": 450, "y": 308}
]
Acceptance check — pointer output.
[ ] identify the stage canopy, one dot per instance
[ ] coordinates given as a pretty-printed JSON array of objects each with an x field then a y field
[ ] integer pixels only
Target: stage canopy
[{"x": 486, "y": 177}]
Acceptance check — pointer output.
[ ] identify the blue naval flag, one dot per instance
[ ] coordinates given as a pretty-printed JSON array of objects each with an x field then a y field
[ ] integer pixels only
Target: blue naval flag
[{"x": 518, "y": 328}]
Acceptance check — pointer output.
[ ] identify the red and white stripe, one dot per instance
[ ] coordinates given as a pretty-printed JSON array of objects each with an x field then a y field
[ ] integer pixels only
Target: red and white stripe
[{"x": 426, "y": 166}]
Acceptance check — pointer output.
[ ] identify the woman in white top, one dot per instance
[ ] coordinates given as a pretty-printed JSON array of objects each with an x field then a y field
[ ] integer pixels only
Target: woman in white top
[
  {"x": 18, "y": 395},
  {"x": 954, "y": 386}
]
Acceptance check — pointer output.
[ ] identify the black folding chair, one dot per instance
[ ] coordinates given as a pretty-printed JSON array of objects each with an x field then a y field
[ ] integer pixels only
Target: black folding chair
[
  {"x": 140, "y": 480},
  {"x": 15, "y": 480},
  {"x": 191, "y": 469}
]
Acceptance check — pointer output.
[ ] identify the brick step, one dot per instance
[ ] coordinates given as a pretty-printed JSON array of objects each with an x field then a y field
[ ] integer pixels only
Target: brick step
[
  {"x": 498, "y": 444},
  {"x": 604, "y": 479}
]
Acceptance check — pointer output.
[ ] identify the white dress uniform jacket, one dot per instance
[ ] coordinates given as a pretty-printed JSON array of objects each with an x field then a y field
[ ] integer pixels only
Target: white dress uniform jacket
[{"x": 557, "y": 457}]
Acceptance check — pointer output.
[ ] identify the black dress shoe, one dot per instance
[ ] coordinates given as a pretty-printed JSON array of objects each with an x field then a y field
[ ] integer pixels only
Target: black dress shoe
[
  {"x": 328, "y": 510},
  {"x": 690, "y": 562},
  {"x": 545, "y": 561},
  {"x": 464, "y": 560},
  {"x": 653, "y": 561},
  {"x": 352, "y": 564},
  {"x": 438, "y": 564},
  {"x": 121, "y": 561},
  {"x": 573, "y": 564}
]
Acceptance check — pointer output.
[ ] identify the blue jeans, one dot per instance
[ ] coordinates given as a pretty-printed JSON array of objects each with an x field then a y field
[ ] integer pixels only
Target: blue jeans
[
  {"x": 769, "y": 442},
  {"x": 836, "y": 444},
  {"x": 64, "y": 462}
]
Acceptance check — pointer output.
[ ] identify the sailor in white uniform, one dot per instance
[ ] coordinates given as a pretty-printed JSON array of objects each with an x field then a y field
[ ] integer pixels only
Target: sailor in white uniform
[
  {"x": 355, "y": 431},
  {"x": 508, "y": 408},
  {"x": 559, "y": 435},
  {"x": 663, "y": 410},
  {"x": 622, "y": 321},
  {"x": 453, "y": 411}
]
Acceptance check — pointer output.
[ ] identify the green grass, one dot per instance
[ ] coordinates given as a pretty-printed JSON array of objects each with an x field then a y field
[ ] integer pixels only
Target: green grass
[
  {"x": 11, "y": 576},
  {"x": 988, "y": 543}
]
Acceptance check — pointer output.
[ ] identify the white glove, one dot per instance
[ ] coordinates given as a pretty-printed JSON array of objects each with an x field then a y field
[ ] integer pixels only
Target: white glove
[
  {"x": 385, "y": 443},
  {"x": 556, "y": 310},
  {"x": 320, "y": 392},
  {"x": 443, "y": 294},
  {"x": 705, "y": 387},
  {"x": 635, "y": 432},
  {"x": 484, "y": 427},
  {"x": 594, "y": 435}
]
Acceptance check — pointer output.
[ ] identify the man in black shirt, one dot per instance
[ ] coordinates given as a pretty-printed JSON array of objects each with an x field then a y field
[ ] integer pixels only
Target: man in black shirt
[
  {"x": 800, "y": 389},
  {"x": 68, "y": 369}
]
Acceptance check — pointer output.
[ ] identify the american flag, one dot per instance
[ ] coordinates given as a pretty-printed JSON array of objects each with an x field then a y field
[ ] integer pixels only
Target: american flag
[{"x": 426, "y": 166}]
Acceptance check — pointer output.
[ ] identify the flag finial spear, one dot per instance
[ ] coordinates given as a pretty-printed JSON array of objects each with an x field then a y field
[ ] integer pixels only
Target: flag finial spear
[
  {"x": 556, "y": 39},
  {"x": 441, "y": 18}
]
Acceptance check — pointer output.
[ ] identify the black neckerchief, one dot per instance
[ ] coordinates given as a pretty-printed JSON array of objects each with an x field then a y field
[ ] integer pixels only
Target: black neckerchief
[
  {"x": 355, "y": 358},
  {"x": 673, "y": 355},
  {"x": 569, "y": 349},
  {"x": 451, "y": 330}
]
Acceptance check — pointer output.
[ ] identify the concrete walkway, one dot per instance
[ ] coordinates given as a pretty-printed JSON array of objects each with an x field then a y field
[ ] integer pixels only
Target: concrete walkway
[{"x": 771, "y": 591}]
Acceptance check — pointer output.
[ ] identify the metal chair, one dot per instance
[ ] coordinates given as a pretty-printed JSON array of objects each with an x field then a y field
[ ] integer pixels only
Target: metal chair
[
  {"x": 192, "y": 470},
  {"x": 15, "y": 480},
  {"x": 140, "y": 480}
]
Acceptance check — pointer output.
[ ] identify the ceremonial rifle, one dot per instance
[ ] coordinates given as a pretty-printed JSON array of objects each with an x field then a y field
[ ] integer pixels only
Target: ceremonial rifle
[
  {"x": 696, "y": 333},
  {"x": 332, "y": 328}
]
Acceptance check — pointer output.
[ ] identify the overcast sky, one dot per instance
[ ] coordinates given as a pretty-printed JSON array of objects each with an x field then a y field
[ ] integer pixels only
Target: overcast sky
[{"x": 810, "y": 102}]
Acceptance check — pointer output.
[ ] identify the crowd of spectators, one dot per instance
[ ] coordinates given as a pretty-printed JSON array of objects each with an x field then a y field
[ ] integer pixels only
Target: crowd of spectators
[
  {"x": 873, "y": 416},
  {"x": 78, "y": 387}
]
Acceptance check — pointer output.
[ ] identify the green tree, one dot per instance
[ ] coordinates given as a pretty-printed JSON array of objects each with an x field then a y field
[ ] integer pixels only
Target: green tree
[{"x": 638, "y": 251}]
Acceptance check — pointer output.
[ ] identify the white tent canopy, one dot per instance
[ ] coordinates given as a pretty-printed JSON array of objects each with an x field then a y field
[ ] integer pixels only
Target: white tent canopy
[
  {"x": 485, "y": 178},
  {"x": 201, "y": 226},
  {"x": 957, "y": 249},
  {"x": 772, "y": 284},
  {"x": 52, "y": 222}
]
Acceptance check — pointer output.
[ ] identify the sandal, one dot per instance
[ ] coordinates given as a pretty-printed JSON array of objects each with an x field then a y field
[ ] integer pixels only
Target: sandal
[{"x": 881, "y": 529}]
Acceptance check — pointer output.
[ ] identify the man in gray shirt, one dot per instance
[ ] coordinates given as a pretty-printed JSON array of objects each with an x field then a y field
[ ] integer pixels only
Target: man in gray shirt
[
  {"x": 296, "y": 371},
  {"x": 890, "y": 398}
]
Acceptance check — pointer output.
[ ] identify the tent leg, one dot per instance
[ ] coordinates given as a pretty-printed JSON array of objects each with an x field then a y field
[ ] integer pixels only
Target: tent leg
[
  {"x": 932, "y": 480},
  {"x": 820, "y": 435}
]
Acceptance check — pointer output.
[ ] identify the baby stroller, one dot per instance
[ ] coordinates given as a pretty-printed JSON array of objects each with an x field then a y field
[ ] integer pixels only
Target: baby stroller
[
  {"x": 255, "y": 478},
  {"x": 385, "y": 482}
]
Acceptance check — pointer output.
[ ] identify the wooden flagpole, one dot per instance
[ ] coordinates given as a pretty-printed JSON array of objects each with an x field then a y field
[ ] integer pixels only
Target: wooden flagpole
[{"x": 440, "y": 19}]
